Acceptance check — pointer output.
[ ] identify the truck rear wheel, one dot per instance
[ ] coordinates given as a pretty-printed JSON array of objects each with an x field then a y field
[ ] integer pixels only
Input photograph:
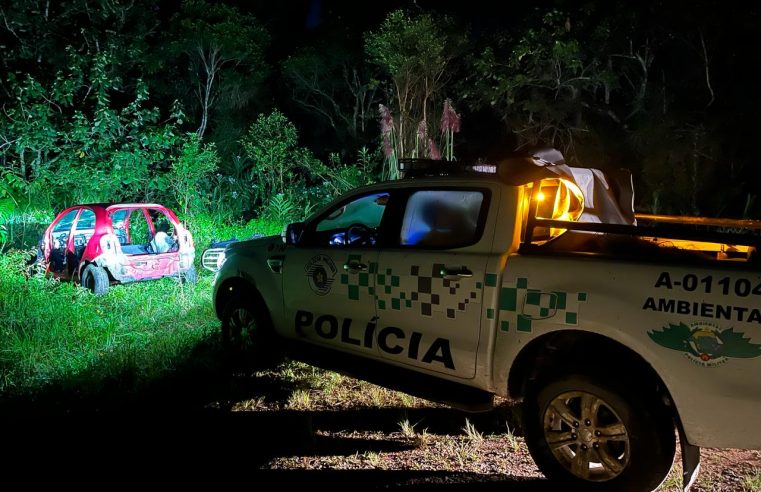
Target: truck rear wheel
[{"x": 591, "y": 434}]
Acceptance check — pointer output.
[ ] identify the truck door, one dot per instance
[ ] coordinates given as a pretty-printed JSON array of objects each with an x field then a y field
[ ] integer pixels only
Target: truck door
[
  {"x": 429, "y": 284},
  {"x": 329, "y": 277}
]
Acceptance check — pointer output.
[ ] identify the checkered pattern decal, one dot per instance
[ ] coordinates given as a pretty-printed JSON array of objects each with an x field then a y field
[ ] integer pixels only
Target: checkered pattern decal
[
  {"x": 359, "y": 283},
  {"x": 425, "y": 291},
  {"x": 519, "y": 305}
]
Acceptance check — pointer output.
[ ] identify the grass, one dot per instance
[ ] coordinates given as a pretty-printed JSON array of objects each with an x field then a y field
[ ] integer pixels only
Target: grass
[
  {"x": 473, "y": 435},
  {"x": 56, "y": 334},
  {"x": 752, "y": 482},
  {"x": 673, "y": 480},
  {"x": 512, "y": 440},
  {"x": 407, "y": 429},
  {"x": 299, "y": 400},
  {"x": 372, "y": 458}
]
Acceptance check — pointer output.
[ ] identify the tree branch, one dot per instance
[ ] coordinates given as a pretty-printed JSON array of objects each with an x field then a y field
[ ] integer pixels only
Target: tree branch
[{"x": 708, "y": 75}]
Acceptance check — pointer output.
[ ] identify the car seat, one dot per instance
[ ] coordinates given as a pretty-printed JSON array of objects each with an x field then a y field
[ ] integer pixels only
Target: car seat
[{"x": 161, "y": 243}]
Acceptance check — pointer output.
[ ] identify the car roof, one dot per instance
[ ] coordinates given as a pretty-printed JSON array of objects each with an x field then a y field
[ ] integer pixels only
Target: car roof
[{"x": 110, "y": 206}]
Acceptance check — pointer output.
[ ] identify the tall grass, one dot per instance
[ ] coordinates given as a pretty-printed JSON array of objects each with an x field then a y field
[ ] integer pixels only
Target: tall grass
[
  {"x": 56, "y": 334},
  {"x": 207, "y": 227}
]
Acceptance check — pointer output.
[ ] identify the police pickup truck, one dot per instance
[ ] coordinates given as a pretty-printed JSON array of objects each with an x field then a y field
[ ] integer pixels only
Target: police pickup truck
[{"x": 532, "y": 280}]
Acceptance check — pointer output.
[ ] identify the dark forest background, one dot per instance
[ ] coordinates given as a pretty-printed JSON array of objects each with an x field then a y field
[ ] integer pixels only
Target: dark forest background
[{"x": 243, "y": 109}]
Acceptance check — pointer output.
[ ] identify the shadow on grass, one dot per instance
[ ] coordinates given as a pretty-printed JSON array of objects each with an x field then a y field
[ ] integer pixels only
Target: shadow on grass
[{"x": 182, "y": 423}]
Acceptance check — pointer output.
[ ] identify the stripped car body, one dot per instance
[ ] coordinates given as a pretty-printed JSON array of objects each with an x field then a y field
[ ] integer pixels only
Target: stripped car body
[{"x": 99, "y": 244}]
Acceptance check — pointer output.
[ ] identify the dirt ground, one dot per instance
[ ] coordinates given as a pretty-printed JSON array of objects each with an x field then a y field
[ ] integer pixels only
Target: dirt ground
[
  {"x": 363, "y": 436},
  {"x": 301, "y": 426}
]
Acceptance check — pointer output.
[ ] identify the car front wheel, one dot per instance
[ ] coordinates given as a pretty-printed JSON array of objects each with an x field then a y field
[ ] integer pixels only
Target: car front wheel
[
  {"x": 95, "y": 279},
  {"x": 592, "y": 434}
]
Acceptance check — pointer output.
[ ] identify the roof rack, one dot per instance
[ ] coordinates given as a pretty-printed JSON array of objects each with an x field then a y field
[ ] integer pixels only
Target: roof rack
[
  {"x": 417, "y": 168},
  {"x": 520, "y": 169}
]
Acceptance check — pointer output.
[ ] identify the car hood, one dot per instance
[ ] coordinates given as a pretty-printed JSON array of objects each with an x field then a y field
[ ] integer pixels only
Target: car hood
[{"x": 268, "y": 243}]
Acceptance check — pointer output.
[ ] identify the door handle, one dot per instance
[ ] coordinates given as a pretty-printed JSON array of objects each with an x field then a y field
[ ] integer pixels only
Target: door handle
[
  {"x": 455, "y": 273},
  {"x": 354, "y": 267},
  {"x": 276, "y": 264}
]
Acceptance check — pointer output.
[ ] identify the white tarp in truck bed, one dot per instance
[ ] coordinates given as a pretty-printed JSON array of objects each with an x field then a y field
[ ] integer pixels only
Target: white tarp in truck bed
[{"x": 608, "y": 196}]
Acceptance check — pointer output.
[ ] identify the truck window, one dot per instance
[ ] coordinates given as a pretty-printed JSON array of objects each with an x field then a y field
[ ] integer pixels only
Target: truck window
[
  {"x": 354, "y": 223},
  {"x": 442, "y": 218}
]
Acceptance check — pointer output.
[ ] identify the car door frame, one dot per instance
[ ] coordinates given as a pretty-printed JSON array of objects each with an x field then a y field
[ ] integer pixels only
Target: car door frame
[
  {"x": 341, "y": 280},
  {"x": 49, "y": 242}
]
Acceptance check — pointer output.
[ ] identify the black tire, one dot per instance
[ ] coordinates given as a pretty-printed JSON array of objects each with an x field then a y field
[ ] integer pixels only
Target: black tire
[
  {"x": 95, "y": 279},
  {"x": 248, "y": 336},
  {"x": 627, "y": 443},
  {"x": 190, "y": 276}
]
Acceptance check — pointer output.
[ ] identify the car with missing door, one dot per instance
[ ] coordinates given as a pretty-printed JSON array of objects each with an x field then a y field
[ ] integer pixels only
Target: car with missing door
[
  {"x": 527, "y": 279},
  {"x": 102, "y": 244}
]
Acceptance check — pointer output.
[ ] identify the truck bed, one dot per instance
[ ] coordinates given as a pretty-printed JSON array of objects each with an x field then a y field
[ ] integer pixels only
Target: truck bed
[{"x": 678, "y": 239}]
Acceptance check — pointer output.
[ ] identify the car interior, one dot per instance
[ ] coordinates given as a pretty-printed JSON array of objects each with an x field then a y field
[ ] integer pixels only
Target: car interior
[
  {"x": 144, "y": 231},
  {"x": 352, "y": 224}
]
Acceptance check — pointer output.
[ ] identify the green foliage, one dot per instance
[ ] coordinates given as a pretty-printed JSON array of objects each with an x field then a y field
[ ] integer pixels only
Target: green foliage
[
  {"x": 540, "y": 81},
  {"x": 24, "y": 227},
  {"x": 278, "y": 164},
  {"x": 405, "y": 43},
  {"x": 190, "y": 171},
  {"x": 332, "y": 82},
  {"x": 280, "y": 209},
  {"x": 224, "y": 51},
  {"x": 213, "y": 227},
  {"x": 336, "y": 177},
  {"x": 8, "y": 184},
  {"x": 416, "y": 52},
  {"x": 70, "y": 143},
  {"x": 35, "y": 32},
  {"x": 7, "y": 206},
  {"x": 752, "y": 481}
]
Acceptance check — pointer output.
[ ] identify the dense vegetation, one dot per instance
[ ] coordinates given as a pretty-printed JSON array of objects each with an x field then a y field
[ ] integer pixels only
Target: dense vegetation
[
  {"x": 224, "y": 108},
  {"x": 244, "y": 117}
]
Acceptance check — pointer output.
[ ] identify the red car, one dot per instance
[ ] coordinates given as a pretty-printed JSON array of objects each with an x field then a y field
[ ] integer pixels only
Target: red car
[{"x": 100, "y": 244}]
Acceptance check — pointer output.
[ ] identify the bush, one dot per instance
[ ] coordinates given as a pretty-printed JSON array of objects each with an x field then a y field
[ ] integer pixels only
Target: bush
[
  {"x": 278, "y": 164},
  {"x": 190, "y": 170}
]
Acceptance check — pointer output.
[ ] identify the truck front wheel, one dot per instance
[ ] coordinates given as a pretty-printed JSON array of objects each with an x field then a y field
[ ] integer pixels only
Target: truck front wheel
[
  {"x": 592, "y": 434},
  {"x": 247, "y": 332}
]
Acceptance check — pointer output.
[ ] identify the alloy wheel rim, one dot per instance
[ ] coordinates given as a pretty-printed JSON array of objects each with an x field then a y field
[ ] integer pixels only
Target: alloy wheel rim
[
  {"x": 242, "y": 325},
  {"x": 586, "y": 436}
]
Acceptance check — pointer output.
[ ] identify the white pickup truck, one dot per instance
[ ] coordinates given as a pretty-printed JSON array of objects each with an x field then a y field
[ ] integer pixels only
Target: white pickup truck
[{"x": 531, "y": 280}]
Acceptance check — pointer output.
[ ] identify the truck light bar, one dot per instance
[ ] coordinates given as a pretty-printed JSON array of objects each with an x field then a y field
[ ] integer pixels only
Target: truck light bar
[{"x": 413, "y": 168}]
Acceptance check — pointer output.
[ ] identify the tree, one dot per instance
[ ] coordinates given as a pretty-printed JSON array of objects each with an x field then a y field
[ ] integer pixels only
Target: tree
[
  {"x": 540, "y": 82},
  {"x": 33, "y": 33},
  {"x": 69, "y": 142},
  {"x": 417, "y": 53},
  {"x": 279, "y": 166},
  {"x": 190, "y": 170},
  {"x": 331, "y": 83},
  {"x": 224, "y": 51}
]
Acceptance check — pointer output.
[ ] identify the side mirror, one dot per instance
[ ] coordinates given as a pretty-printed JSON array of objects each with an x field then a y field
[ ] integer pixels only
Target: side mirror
[{"x": 293, "y": 232}]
